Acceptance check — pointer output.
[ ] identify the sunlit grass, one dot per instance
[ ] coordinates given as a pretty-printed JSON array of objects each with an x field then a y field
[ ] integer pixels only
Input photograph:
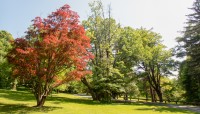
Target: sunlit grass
[{"x": 22, "y": 102}]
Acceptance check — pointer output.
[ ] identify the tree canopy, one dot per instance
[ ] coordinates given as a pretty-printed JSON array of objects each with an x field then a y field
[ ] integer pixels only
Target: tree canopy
[
  {"x": 118, "y": 50},
  {"x": 54, "y": 51},
  {"x": 5, "y": 67}
]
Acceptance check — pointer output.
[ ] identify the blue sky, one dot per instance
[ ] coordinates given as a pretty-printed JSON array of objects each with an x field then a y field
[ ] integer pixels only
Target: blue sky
[{"x": 166, "y": 17}]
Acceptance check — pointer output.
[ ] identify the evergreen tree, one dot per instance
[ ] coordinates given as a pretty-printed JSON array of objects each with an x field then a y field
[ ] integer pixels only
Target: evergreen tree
[{"x": 190, "y": 69}]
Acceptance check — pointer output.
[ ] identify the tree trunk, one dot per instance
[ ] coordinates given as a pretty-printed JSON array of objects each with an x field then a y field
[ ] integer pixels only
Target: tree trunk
[
  {"x": 41, "y": 92},
  {"x": 152, "y": 95},
  {"x": 147, "y": 97},
  {"x": 91, "y": 91},
  {"x": 14, "y": 84},
  {"x": 159, "y": 93},
  {"x": 41, "y": 101},
  {"x": 125, "y": 96},
  {"x": 94, "y": 95},
  {"x": 146, "y": 90}
]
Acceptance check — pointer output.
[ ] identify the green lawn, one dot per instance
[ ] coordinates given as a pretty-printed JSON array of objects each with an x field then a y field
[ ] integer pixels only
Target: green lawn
[{"x": 21, "y": 102}]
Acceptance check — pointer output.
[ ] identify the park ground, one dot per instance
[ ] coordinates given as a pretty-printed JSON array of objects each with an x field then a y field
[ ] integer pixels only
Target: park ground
[{"x": 22, "y": 102}]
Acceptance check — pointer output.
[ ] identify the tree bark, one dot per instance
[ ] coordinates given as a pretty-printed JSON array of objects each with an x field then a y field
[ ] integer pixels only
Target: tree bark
[
  {"x": 152, "y": 95},
  {"x": 41, "y": 92},
  {"x": 159, "y": 93},
  {"x": 154, "y": 81},
  {"x": 41, "y": 101},
  {"x": 14, "y": 85},
  {"x": 91, "y": 91},
  {"x": 147, "y": 98}
]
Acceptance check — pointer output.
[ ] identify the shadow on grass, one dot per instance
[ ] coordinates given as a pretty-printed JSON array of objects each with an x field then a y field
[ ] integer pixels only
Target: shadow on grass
[
  {"x": 58, "y": 100},
  {"x": 17, "y": 95},
  {"x": 23, "y": 109}
]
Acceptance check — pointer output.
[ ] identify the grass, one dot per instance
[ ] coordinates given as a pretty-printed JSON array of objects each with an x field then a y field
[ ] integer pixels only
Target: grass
[{"x": 22, "y": 102}]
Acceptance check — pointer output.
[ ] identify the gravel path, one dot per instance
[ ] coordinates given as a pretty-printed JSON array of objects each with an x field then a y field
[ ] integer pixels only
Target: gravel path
[{"x": 185, "y": 107}]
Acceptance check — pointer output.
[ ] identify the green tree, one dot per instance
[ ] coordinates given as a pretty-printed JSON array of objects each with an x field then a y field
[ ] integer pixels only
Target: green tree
[
  {"x": 76, "y": 87},
  {"x": 118, "y": 50},
  {"x": 155, "y": 60},
  {"x": 172, "y": 90},
  {"x": 131, "y": 90},
  {"x": 144, "y": 48},
  {"x": 103, "y": 33},
  {"x": 189, "y": 81},
  {"x": 127, "y": 50},
  {"x": 5, "y": 67},
  {"x": 189, "y": 46}
]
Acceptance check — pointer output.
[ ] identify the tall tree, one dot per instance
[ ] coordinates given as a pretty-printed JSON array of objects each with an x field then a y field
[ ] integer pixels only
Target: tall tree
[
  {"x": 190, "y": 43},
  {"x": 5, "y": 67},
  {"x": 54, "y": 51},
  {"x": 155, "y": 60},
  {"x": 117, "y": 51},
  {"x": 103, "y": 32}
]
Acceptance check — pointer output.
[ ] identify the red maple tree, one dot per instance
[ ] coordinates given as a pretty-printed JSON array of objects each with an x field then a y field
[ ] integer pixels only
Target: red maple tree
[{"x": 54, "y": 51}]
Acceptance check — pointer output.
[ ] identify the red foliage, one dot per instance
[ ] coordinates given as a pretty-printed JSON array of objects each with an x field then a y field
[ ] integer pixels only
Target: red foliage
[{"x": 54, "y": 44}]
